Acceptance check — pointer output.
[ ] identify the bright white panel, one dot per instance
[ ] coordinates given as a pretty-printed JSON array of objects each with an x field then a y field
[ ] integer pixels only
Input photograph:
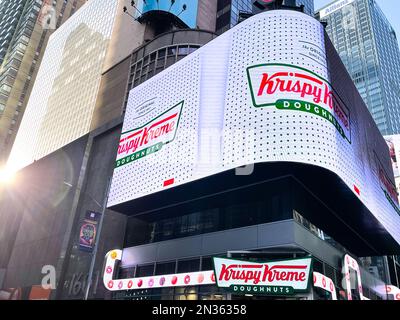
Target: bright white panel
[{"x": 259, "y": 93}]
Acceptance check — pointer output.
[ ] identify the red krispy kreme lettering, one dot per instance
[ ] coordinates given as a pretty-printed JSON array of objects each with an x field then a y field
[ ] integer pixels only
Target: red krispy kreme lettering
[
  {"x": 306, "y": 86},
  {"x": 287, "y": 82},
  {"x": 390, "y": 188},
  {"x": 144, "y": 136},
  {"x": 262, "y": 273}
]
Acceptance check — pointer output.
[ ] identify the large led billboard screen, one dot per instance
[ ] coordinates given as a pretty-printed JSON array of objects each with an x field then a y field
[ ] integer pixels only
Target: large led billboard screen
[
  {"x": 261, "y": 92},
  {"x": 185, "y": 10}
]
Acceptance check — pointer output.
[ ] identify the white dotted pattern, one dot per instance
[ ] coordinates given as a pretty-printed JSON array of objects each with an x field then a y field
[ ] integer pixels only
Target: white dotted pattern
[
  {"x": 62, "y": 101},
  {"x": 175, "y": 160},
  {"x": 250, "y": 134},
  {"x": 281, "y": 135}
]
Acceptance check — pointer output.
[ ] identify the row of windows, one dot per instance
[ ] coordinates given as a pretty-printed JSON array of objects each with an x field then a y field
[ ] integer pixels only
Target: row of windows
[
  {"x": 155, "y": 62},
  {"x": 225, "y": 216}
]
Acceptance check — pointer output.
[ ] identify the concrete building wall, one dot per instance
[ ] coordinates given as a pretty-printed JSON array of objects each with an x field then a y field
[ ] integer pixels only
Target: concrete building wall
[
  {"x": 119, "y": 79},
  {"x": 126, "y": 36},
  {"x": 75, "y": 270},
  {"x": 207, "y": 15},
  {"x": 111, "y": 96}
]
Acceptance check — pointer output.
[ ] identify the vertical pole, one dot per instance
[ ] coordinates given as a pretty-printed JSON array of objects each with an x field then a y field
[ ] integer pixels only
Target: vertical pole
[
  {"x": 228, "y": 295},
  {"x": 395, "y": 271},
  {"x": 96, "y": 245}
]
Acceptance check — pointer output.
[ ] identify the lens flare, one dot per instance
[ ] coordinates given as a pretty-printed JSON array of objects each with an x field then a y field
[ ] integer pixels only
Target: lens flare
[{"x": 6, "y": 176}]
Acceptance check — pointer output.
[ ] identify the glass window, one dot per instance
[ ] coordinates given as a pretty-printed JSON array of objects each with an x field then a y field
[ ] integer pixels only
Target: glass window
[
  {"x": 5, "y": 88},
  {"x": 206, "y": 263},
  {"x": 318, "y": 266},
  {"x": 192, "y": 48},
  {"x": 191, "y": 265},
  {"x": 183, "y": 50},
  {"x": 145, "y": 270},
  {"x": 161, "y": 53},
  {"x": 171, "y": 51},
  {"x": 165, "y": 268}
]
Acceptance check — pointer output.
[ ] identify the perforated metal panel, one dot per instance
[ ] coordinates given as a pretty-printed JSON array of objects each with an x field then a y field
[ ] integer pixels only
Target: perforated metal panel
[
  {"x": 228, "y": 120},
  {"x": 176, "y": 159}
]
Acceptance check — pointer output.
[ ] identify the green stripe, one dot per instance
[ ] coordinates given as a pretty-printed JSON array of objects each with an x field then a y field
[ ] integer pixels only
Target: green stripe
[
  {"x": 392, "y": 203},
  {"x": 263, "y": 290},
  {"x": 139, "y": 154},
  {"x": 308, "y": 107}
]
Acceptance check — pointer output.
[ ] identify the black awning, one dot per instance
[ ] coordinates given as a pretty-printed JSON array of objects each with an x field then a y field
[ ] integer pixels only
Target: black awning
[{"x": 324, "y": 199}]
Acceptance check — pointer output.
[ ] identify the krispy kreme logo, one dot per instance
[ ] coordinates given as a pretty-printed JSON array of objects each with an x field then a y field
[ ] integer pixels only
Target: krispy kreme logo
[
  {"x": 389, "y": 190},
  {"x": 262, "y": 273},
  {"x": 288, "y": 87},
  {"x": 291, "y": 273},
  {"x": 388, "y": 185},
  {"x": 149, "y": 138}
]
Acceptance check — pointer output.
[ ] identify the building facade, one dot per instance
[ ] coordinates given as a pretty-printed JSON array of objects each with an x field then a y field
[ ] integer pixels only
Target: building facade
[
  {"x": 367, "y": 45},
  {"x": 79, "y": 51},
  {"x": 10, "y": 13},
  {"x": 52, "y": 119},
  {"x": 121, "y": 68},
  {"x": 190, "y": 212},
  {"x": 25, "y": 30},
  {"x": 308, "y": 5},
  {"x": 228, "y": 11},
  {"x": 168, "y": 223}
]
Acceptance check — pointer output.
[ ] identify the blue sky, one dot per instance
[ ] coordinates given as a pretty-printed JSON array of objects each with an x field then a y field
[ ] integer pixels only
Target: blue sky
[{"x": 391, "y": 9}]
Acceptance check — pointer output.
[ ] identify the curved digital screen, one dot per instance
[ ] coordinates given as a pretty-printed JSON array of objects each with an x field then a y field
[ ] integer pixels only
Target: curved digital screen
[{"x": 260, "y": 92}]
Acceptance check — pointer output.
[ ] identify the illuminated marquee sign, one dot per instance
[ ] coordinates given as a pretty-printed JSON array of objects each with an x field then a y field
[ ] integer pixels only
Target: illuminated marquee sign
[
  {"x": 171, "y": 280},
  {"x": 268, "y": 278},
  {"x": 393, "y": 291},
  {"x": 293, "y": 88},
  {"x": 275, "y": 278},
  {"x": 350, "y": 263},
  {"x": 325, "y": 283}
]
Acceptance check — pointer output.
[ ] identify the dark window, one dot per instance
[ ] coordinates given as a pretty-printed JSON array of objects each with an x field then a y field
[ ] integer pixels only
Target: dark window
[
  {"x": 165, "y": 268},
  {"x": 170, "y": 61},
  {"x": 191, "y": 265},
  {"x": 223, "y": 20},
  {"x": 161, "y": 53},
  {"x": 236, "y": 209},
  {"x": 222, "y": 4},
  {"x": 206, "y": 264},
  {"x": 318, "y": 266},
  {"x": 172, "y": 51},
  {"x": 127, "y": 273},
  {"x": 145, "y": 270},
  {"x": 330, "y": 272},
  {"x": 160, "y": 62}
]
